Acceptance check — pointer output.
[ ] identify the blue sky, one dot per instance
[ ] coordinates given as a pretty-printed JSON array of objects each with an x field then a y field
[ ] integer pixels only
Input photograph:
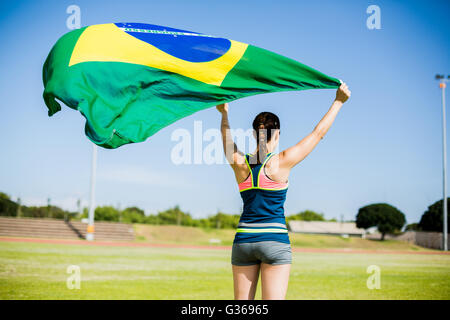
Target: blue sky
[{"x": 385, "y": 145}]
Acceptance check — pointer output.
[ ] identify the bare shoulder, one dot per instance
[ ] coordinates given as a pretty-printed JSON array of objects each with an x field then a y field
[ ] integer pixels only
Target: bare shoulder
[
  {"x": 275, "y": 170},
  {"x": 240, "y": 169}
]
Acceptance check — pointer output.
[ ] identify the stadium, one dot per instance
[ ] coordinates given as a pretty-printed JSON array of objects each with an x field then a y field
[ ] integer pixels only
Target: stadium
[{"x": 142, "y": 160}]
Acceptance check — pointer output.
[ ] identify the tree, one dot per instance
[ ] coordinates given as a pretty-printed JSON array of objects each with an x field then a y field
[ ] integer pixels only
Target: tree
[
  {"x": 133, "y": 215},
  {"x": 385, "y": 217},
  {"x": 7, "y": 207},
  {"x": 175, "y": 216},
  {"x": 151, "y": 219},
  {"x": 57, "y": 212},
  {"x": 48, "y": 211},
  {"x": 224, "y": 221},
  {"x": 4, "y": 196},
  {"x": 412, "y": 227},
  {"x": 432, "y": 219},
  {"x": 106, "y": 213},
  {"x": 307, "y": 215}
]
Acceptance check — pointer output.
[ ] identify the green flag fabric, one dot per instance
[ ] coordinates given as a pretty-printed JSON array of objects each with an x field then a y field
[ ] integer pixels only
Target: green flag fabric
[{"x": 130, "y": 80}]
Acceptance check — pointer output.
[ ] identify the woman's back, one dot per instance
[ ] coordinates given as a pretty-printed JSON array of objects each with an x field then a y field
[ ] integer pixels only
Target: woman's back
[{"x": 263, "y": 217}]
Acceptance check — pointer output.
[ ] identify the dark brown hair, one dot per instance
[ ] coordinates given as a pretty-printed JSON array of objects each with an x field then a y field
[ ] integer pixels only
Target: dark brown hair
[{"x": 264, "y": 125}]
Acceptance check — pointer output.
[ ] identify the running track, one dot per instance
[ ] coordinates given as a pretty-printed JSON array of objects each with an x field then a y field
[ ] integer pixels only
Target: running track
[{"x": 161, "y": 245}]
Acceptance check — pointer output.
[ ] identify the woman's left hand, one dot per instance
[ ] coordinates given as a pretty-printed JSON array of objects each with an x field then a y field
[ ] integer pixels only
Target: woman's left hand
[{"x": 222, "y": 108}]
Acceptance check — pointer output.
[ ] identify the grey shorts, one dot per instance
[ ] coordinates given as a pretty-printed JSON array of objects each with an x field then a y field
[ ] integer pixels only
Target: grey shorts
[{"x": 270, "y": 252}]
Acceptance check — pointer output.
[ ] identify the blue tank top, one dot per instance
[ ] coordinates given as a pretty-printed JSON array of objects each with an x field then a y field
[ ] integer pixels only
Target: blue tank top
[{"x": 263, "y": 217}]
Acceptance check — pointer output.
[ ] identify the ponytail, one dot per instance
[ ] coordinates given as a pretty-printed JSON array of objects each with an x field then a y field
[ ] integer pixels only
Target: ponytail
[
  {"x": 262, "y": 143},
  {"x": 264, "y": 124}
]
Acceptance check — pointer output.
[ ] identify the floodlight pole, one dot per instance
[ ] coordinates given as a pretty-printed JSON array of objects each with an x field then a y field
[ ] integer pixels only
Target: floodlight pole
[
  {"x": 90, "y": 227},
  {"x": 442, "y": 85}
]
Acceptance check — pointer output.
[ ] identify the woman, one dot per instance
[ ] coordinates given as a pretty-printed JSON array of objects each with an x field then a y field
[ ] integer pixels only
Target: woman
[{"x": 262, "y": 242}]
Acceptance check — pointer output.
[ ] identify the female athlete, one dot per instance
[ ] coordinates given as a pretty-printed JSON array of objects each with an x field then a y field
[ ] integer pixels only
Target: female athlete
[{"x": 261, "y": 244}]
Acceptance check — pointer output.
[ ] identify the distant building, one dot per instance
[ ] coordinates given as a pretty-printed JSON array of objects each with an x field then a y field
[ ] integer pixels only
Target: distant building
[{"x": 345, "y": 229}]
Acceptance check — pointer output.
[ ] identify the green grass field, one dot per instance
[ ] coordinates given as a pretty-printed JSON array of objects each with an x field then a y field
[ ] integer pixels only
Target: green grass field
[
  {"x": 198, "y": 236},
  {"x": 39, "y": 271}
]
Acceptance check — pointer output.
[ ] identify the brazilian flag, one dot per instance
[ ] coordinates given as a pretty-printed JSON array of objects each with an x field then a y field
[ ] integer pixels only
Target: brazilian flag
[{"x": 130, "y": 80}]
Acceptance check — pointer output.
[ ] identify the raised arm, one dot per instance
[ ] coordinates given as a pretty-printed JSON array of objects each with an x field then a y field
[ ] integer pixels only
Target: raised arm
[
  {"x": 232, "y": 152},
  {"x": 234, "y": 157},
  {"x": 293, "y": 155}
]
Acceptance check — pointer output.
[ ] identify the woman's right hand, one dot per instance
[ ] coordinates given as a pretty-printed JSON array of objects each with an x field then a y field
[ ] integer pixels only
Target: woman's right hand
[
  {"x": 222, "y": 108},
  {"x": 343, "y": 93}
]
